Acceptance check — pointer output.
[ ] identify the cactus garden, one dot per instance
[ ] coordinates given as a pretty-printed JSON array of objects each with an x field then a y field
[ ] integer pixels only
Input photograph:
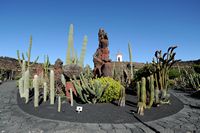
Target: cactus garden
[
  {"x": 57, "y": 90},
  {"x": 112, "y": 66}
]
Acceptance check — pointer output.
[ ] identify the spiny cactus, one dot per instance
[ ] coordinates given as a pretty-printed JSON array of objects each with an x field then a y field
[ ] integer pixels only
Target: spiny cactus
[
  {"x": 21, "y": 87},
  {"x": 122, "y": 97},
  {"x": 46, "y": 65},
  {"x": 28, "y": 54},
  {"x": 83, "y": 51},
  {"x": 26, "y": 85},
  {"x": 151, "y": 88},
  {"x": 130, "y": 58},
  {"x": 45, "y": 91},
  {"x": 36, "y": 91},
  {"x": 52, "y": 87},
  {"x": 71, "y": 97},
  {"x": 89, "y": 91},
  {"x": 71, "y": 56},
  {"x": 162, "y": 64},
  {"x": 142, "y": 94},
  {"x": 59, "y": 103},
  {"x": 70, "y": 45}
]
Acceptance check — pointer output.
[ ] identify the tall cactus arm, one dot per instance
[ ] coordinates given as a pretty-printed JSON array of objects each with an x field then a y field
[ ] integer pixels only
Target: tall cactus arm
[{"x": 19, "y": 59}]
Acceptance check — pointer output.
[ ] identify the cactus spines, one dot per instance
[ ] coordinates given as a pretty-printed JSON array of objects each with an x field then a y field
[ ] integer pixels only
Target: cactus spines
[
  {"x": 52, "y": 87},
  {"x": 151, "y": 88},
  {"x": 45, "y": 91},
  {"x": 59, "y": 103},
  {"x": 71, "y": 97},
  {"x": 83, "y": 51},
  {"x": 26, "y": 85},
  {"x": 36, "y": 91},
  {"x": 21, "y": 87},
  {"x": 23, "y": 67}
]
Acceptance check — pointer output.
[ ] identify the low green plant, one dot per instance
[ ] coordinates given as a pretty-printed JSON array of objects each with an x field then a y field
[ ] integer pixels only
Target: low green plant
[
  {"x": 197, "y": 68},
  {"x": 174, "y": 73},
  {"x": 112, "y": 92}
]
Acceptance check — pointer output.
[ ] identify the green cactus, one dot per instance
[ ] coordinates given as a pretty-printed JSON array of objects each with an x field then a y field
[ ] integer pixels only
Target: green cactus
[
  {"x": 26, "y": 85},
  {"x": 130, "y": 58},
  {"x": 138, "y": 91},
  {"x": 90, "y": 91},
  {"x": 52, "y": 87},
  {"x": 71, "y": 56},
  {"x": 46, "y": 65},
  {"x": 143, "y": 90},
  {"x": 28, "y": 54},
  {"x": 70, "y": 44},
  {"x": 36, "y": 91},
  {"x": 45, "y": 91},
  {"x": 21, "y": 87},
  {"x": 122, "y": 100},
  {"x": 83, "y": 51},
  {"x": 151, "y": 88},
  {"x": 162, "y": 65}
]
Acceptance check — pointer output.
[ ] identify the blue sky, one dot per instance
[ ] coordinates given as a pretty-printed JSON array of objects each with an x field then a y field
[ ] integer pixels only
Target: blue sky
[{"x": 148, "y": 25}]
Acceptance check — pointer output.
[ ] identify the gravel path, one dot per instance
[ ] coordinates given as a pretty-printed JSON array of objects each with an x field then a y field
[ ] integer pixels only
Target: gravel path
[{"x": 14, "y": 120}]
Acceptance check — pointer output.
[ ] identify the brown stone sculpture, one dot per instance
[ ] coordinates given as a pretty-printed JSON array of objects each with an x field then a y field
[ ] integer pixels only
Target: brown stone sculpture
[{"x": 102, "y": 63}]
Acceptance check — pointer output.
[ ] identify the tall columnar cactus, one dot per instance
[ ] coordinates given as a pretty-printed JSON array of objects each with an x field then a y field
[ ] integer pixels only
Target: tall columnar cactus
[
  {"x": 28, "y": 54},
  {"x": 26, "y": 85},
  {"x": 46, "y": 65},
  {"x": 143, "y": 90},
  {"x": 83, "y": 51},
  {"x": 52, "y": 87},
  {"x": 45, "y": 91},
  {"x": 151, "y": 88},
  {"x": 21, "y": 87},
  {"x": 59, "y": 103},
  {"x": 122, "y": 97},
  {"x": 70, "y": 45},
  {"x": 71, "y": 97},
  {"x": 130, "y": 58},
  {"x": 36, "y": 90},
  {"x": 141, "y": 96}
]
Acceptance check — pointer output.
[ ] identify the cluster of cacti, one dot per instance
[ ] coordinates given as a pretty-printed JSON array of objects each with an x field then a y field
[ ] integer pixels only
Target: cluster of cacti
[
  {"x": 28, "y": 54},
  {"x": 142, "y": 91},
  {"x": 188, "y": 80},
  {"x": 88, "y": 90},
  {"x": 162, "y": 64},
  {"x": 71, "y": 56}
]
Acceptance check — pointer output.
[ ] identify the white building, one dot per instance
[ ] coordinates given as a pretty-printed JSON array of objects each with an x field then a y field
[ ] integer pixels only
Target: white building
[{"x": 119, "y": 57}]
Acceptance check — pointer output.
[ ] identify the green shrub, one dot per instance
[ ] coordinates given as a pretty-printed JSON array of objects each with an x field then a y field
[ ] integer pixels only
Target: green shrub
[
  {"x": 112, "y": 92},
  {"x": 197, "y": 68},
  {"x": 174, "y": 73}
]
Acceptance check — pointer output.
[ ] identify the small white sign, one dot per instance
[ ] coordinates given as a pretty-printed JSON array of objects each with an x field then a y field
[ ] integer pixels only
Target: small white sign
[{"x": 79, "y": 109}]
